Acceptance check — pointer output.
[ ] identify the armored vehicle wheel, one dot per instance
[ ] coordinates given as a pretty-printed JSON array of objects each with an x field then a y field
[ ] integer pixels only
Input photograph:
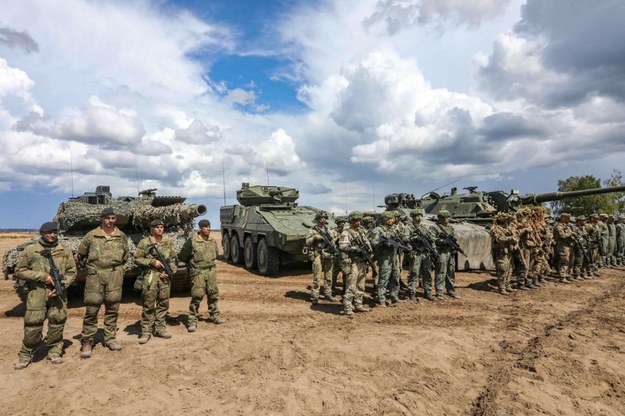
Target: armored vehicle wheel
[
  {"x": 249, "y": 253},
  {"x": 235, "y": 250},
  {"x": 268, "y": 258},
  {"x": 225, "y": 244}
]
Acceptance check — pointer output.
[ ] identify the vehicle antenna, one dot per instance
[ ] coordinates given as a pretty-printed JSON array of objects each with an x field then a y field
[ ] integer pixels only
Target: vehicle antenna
[{"x": 442, "y": 186}]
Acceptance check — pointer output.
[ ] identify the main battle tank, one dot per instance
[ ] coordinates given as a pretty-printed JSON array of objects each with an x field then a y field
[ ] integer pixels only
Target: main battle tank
[
  {"x": 268, "y": 229},
  {"x": 77, "y": 216},
  {"x": 473, "y": 210}
]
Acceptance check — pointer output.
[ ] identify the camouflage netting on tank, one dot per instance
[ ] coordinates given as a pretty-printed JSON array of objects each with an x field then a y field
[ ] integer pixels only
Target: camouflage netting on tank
[
  {"x": 75, "y": 216},
  {"x": 171, "y": 215}
]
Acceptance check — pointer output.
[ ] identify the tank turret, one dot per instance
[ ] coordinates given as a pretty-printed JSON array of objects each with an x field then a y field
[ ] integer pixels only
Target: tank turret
[{"x": 273, "y": 195}]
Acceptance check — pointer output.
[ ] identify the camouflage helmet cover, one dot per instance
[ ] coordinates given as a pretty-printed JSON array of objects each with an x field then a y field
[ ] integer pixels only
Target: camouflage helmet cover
[
  {"x": 386, "y": 215},
  {"x": 443, "y": 213},
  {"x": 321, "y": 214},
  {"x": 417, "y": 211},
  {"x": 355, "y": 216}
]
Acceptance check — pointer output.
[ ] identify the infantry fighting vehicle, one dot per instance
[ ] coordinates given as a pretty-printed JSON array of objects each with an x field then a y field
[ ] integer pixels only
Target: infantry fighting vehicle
[
  {"x": 268, "y": 229},
  {"x": 79, "y": 215},
  {"x": 473, "y": 210}
]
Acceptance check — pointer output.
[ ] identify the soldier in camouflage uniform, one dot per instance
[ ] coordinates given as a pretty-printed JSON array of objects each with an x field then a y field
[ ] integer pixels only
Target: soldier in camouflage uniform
[
  {"x": 351, "y": 245},
  {"x": 446, "y": 265},
  {"x": 604, "y": 239},
  {"x": 43, "y": 302},
  {"x": 581, "y": 264},
  {"x": 320, "y": 240},
  {"x": 105, "y": 251},
  {"x": 620, "y": 242},
  {"x": 612, "y": 238},
  {"x": 337, "y": 266},
  {"x": 540, "y": 227},
  {"x": 156, "y": 281},
  {"x": 503, "y": 240},
  {"x": 593, "y": 232},
  {"x": 199, "y": 253},
  {"x": 386, "y": 256},
  {"x": 563, "y": 235},
  {"x": 420, "y": 259}
]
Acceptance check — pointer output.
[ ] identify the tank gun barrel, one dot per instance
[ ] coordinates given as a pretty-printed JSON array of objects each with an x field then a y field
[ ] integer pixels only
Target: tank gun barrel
[
  {"x": 536, "y": 199},
  {"x": 175, "y": 214}
]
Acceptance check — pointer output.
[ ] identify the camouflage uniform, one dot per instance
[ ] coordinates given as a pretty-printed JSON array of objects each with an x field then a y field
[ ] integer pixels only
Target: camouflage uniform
[
  {"x": 593, "y": 232},
  {"x": 105, "y": 257},
  {"x": 446, "y": 265},
  {"x": 620, "y": 241},
  {"x": 563, "y": 235},
  {"x": 612, "y": 238},
  {"x": 420, "y": 260},
  {"x": 386, "y": 256},
  {"x": 337, "y": 264},
  {"x": 34, "y": 269},
  {"x": 604, "y": 240},
  {"x": 351, "y": 245},
  {"x": 520, "y": 256},
  {"x": 200, "y": 254},
  {"x": 156, "y": 290},
  {"x": 581, "y": 265},
  {"x": 321, "y": 257},
  {"x": 503, "y": 239}
]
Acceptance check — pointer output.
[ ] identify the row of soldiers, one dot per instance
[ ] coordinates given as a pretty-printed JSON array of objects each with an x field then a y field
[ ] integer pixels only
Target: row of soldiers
[
  {"x": 49, "y": 268},
  {"x": 361, "y": 246}
]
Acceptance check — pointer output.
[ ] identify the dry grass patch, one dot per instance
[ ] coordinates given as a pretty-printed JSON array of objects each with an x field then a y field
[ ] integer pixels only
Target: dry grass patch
[{"x": 17, "y": 235}]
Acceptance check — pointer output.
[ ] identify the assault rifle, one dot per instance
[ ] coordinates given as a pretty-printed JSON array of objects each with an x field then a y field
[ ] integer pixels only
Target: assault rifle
[
  {"x": 419, "y": 240},
  {"x": 57, "y": 277},
  {"x": 450, "y": 241},
  {"x": 580, "y": 246},
  {"x": 327, "y": 241},
  {"x": 364, "y": 251},
  {"x": 394, "y": 242},
  {"x": 159, "y": 256}
]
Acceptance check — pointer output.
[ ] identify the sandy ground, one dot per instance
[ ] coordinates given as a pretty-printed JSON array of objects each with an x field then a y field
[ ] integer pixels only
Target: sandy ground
[{"x": 559, "y": 350}]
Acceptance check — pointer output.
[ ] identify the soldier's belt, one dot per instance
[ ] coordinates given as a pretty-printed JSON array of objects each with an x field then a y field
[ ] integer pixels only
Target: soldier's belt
[
  {"x": 203, "y": 268},
  {"x": 106, "y": 269}
]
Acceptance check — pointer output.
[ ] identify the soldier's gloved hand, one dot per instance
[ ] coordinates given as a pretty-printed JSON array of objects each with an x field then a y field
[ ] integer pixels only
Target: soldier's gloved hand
[{"x": 318, "y": 238}]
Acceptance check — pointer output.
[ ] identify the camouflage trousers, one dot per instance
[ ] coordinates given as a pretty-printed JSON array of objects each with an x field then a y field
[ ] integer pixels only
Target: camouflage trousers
[
  {"x": 103, "y": 287},
  {"x": 531, "y": 270},
  {"x": 420, "y": 265},
  {"x": 39, "y": 308},
  {"x": 155, "y": 296},
  {"x": 445, "y": 273},
  {"x": 388, "y": 277},
  {"x": 355, "y": 287},
  {"x": 564, "y": 261},
  {"x": 504, "y": 271},
  {"x": 322, "y": 271},
  {"x": 203, "y": 283},
  {"x": 581, "y": 266}
]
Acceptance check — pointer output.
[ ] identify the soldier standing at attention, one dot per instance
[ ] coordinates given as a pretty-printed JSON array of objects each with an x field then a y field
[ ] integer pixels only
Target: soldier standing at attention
[
  {"x": 593, "y": 232},
  {"x": 604, "y": 239},
  {"x": 386, "y": 256},
  {"x": 446, "y": 265},
  {"x": 43, "y": 301},
  {"x": 581, "y": 265},
  {"x": 351, "y": 245},
  {"x": 620, "y": 242},
  {"x": 105, "y": 250},
  {"x": 337, "y": 267},
  {"x": 611, "y": 252},
  {"x": 563, "y": 236},
  {"x": 320, "y": 252},
  {"x": 503, "y": 240},
  {"x": 199, "y": 253},
  {"x": 156, "y": 280},
  {"x": 420, "y": 258}
]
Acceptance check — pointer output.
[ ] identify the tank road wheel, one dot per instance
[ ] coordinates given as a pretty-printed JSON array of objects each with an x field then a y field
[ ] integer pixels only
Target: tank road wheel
[
  {"x": 235, "y": 250},
  {"x": 268, "y": 258},
  {"x": 249, "y": 253},
  {"x": 225, "y": 244}
]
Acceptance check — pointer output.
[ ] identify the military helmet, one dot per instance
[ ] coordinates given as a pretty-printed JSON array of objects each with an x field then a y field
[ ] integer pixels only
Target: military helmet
[
  {"x": 565, "y": 214},
  {"x": 580, "y": 218},
  {"x": 367, "y": 219},
  {"x": 594, "y": 215},
  {"x": 417, "y": 211},
  {"x": 321, "y": 214},
  {"x": 443, "y": 213},
  {"x": 386, "y": 215},
  {"x": 355, "y": 216}
]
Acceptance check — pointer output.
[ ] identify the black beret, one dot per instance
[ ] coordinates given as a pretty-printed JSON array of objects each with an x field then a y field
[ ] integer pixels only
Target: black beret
[
  {"x": 48, "y": 227},
  {"x": 106, "y": 212},
  {"x": 156, "y": 223},
  {"x": 204, "y": 223}
]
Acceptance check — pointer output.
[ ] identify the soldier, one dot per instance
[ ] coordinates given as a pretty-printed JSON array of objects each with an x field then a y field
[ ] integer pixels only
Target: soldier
[
  {"x": 593, "y": 231},
  {"x": 604, "y": 239},
  {"x": 423, "y": 249},
  {"x": 337, "y": 266},
  {"x": 620, "y": 241},
  {"x": 446, "y": 265},
  {"x": 321, "y": 249},
  {"x": 503, "y": 238},
  {"x": 522, "y": 256},
  {"x": 563, "y": 235},
  {"x": 156, "y": 280},
  {"x": 43, "y": 301},
  {"x": 352, "y": 246},
  {"x": 581, "y": 264},
  {"x": 199, "y": 253},
  {"x": 612, "y": 241},
  {"x": 386, "y": 255},
  {"x": 105, "y": 251}
]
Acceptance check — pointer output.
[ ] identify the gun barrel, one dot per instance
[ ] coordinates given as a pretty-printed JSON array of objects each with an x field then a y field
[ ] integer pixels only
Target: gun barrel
[{"x": 536, "y": 199}]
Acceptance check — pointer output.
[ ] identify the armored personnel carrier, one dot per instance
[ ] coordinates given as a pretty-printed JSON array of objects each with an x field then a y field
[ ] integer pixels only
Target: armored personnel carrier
[
  {"x": 267, "y": 230},
  {"x": 474, "y": 210},
  {"x": 77, "y": 216}
]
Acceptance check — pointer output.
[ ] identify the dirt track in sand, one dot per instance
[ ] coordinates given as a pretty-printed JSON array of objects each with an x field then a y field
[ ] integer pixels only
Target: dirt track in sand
[{"x": 559, "y": 350}]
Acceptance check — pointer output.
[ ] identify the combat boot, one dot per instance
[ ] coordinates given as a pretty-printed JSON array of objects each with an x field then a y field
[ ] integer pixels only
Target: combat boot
[
  {"x": 535, "y": 282},
  {"x": 361, "y": 308},
  {"x": 502, "y": 291},
  {"x": 113, "y": 345},
  {"x": 144, "y": 338},
  {"x": 191, "y": 328},
  {"x": 330, "y": 298},
  {"x": 22, "y": 363},
  {"x": 413, "y": 298},
  {"x": 56, "y": 359},
  {"x": 217, "y": 321},
  {"x": 163, "y": 334},
  {"x": 86, "y": 345},
  {"x": 564, "y": 280}
]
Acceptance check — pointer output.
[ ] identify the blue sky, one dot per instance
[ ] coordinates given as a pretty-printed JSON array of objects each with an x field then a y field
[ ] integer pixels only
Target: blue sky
[{"x": 346, "y": 100}]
